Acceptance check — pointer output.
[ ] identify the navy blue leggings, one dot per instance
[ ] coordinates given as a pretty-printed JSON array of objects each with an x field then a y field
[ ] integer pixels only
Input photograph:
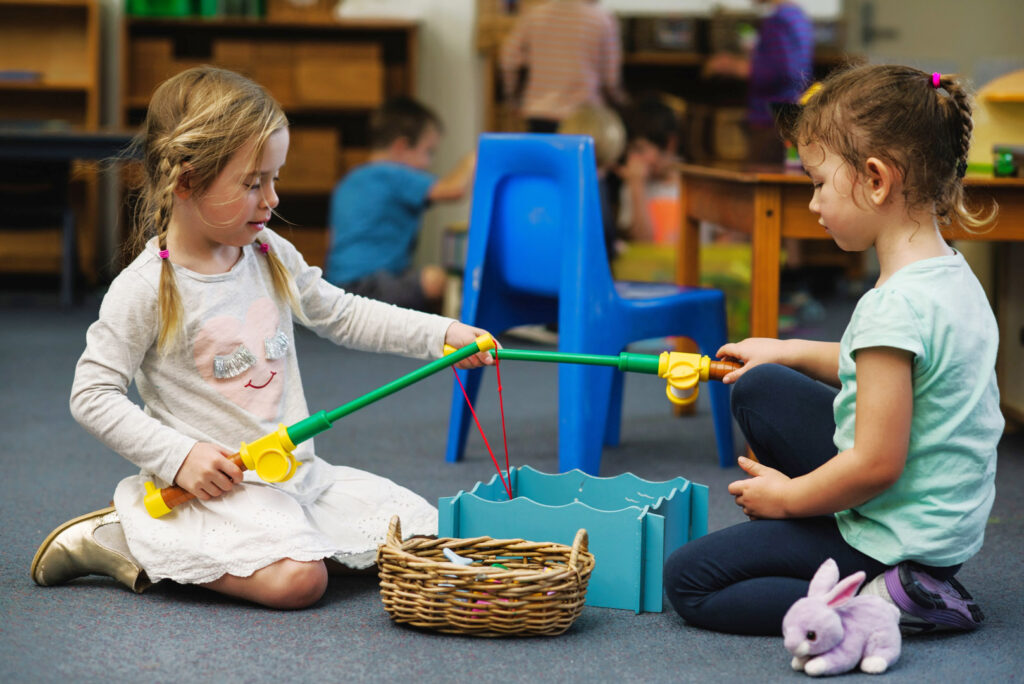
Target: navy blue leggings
[{"x": 744, "y": 578}]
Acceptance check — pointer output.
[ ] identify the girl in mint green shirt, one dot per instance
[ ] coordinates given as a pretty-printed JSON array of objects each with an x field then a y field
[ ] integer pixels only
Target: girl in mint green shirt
[{"x": 878, "y": 451}]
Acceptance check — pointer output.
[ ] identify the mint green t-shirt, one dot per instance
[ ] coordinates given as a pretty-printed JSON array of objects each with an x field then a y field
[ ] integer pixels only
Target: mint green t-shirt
[{"x": 936, "y": 512}]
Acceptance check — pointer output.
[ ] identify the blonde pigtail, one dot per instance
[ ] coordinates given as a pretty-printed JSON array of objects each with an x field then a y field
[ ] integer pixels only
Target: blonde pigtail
[
  {"x": 284, "y": 283},
  {"x": 169, "y": 299}
]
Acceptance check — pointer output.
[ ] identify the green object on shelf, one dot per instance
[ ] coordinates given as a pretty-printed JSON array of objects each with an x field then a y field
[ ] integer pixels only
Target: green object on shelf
[
  {"x": 1005, "y": 165},
  {"x": 209, "y": 8},
  {"x": 159, "y": 8}
]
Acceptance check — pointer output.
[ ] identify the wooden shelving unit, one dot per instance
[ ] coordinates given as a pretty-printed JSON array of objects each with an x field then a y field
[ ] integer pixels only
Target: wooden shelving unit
[
  {"x": 49, "y": 50},
  {"x": 50, "y": 64},
  {"x": 328, "y": 76}
]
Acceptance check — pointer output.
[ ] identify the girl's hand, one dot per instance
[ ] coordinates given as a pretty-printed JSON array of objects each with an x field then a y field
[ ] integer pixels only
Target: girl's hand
[
  {"x": 207, "y": 472},
  {"x": 764, "y": 494},
  {"x": 459, "y": 335},
  {"x": 750, "y": 352}
]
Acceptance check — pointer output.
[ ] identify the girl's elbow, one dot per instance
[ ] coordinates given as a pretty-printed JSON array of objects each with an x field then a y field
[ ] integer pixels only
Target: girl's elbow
[
  {"x": 888, "y": 472},
  {"x": 76, "y": 406}
]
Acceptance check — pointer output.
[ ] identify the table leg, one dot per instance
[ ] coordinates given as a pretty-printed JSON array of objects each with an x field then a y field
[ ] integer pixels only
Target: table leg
[
  {"x": 766, "y": 239},
  {"x": 69, "y": 239},
  {"x": 68, "y": 259},
  {"x": 688, "y": 256},
  {"x": 687, "y": 273}
]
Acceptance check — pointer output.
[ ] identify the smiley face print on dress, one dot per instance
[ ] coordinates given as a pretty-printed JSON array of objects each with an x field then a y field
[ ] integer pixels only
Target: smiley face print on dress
[{"x": 245, "y": 360}]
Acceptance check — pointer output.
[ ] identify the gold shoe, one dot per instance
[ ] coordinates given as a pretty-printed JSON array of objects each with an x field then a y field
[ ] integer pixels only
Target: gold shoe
[{"x": 73, "y": 550}]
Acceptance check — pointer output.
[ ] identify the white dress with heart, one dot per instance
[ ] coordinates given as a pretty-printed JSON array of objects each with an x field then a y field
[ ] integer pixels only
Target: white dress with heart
[{"x": 234, "y": 378}]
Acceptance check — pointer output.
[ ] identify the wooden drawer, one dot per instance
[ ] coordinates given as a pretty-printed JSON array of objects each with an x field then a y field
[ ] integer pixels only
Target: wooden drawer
[
  {"x": 312, "y": 11},
  {"x": 151, "y": 62},
  {"x": 313, "y": 160},
  {"x": 269, "y": 63},
  {"x": 338, "y": 75},
  {"x": 311, "y": 242}
]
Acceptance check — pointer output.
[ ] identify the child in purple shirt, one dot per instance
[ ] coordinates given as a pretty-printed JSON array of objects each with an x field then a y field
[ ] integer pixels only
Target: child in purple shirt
[{"x": 778, "y": 70}]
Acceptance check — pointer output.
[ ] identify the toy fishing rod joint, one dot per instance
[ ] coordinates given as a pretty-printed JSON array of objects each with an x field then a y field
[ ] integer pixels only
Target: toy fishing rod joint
[
  {"x": 271, "y": 456},
  {"x": 683, "y": 371}
]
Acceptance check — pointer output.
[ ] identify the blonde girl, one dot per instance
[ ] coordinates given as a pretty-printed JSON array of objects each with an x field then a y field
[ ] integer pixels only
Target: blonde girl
[
  {"x": 880, "y": 450},
  {"x": 202, "y": 321}
]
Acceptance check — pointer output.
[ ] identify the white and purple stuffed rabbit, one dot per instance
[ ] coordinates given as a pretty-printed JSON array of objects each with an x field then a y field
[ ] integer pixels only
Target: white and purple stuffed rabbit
[{"x": 833, "y": 629}]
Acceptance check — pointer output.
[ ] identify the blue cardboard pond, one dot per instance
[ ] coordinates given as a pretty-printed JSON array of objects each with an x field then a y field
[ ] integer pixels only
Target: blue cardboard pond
[{"x": 633, "y": 524}]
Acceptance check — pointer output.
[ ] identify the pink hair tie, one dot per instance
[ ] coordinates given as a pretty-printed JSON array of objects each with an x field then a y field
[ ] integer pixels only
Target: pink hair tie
[
  {"x": 936, "y": 79},
  {"x": 164, "y": 254},
  {"x": 264, "y": 247}
]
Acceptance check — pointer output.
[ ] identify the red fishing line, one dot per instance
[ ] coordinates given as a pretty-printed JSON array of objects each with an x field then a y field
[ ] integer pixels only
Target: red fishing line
[
  {"x": 501, "y": 407},
  {"x": 508, "y": 488}
]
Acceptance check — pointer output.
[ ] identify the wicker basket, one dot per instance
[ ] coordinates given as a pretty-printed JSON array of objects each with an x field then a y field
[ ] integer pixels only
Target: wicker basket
[{"x": 540, "y": 591}]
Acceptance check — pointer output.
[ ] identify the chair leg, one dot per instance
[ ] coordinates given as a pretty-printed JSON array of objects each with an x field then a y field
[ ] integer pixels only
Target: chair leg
[
  {"x": 583, "y": 395},
  {"x": 613, "y": 421},
  {"x": 458, "y": 424}
]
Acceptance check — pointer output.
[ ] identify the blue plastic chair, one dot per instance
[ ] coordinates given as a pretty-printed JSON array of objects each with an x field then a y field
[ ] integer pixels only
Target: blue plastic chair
[{"x": 536, "y": 254}]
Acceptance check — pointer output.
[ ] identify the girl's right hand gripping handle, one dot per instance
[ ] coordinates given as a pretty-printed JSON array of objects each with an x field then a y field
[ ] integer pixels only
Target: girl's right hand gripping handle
[
  {"x": 159, "y": 502},
  {"x": 270, "y": 456}
]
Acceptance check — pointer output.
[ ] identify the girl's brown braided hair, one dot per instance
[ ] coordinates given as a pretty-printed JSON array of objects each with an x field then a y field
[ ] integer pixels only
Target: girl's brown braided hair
[{"x": 895, "y": 113}]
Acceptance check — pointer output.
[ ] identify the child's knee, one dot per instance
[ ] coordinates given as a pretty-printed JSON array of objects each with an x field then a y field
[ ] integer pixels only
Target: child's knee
[
  {"x": 296, "y": 584},
  {"x": 755, "y": 386},
  {"x": 680, "y": 586}
]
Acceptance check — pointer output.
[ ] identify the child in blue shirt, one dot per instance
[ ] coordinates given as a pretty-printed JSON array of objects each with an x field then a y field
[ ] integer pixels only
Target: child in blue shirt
[
  {"x": 376, "y": 209},
  {"x": 878, "y": 451}
]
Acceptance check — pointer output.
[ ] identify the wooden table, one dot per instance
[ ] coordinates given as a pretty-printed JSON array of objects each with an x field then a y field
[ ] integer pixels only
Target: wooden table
[
  {"x": 770, "y": 203},
  {"x": 43, "y": 155}
]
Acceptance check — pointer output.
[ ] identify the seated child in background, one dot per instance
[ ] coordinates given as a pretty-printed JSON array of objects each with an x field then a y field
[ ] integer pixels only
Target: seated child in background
[
  {"x": 650, "y": 191},
  {"x": 605, "y": 127},
  {"x": 376, "y": 209}
]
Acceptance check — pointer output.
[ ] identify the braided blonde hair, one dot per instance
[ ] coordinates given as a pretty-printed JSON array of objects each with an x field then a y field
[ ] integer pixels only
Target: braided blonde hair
[
  {"x": 895, "y": 113},
  {"x": 200, "y": 118}
]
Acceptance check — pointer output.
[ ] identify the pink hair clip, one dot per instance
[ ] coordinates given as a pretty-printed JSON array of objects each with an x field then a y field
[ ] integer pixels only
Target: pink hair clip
[
  {"x": 936, "y": 79},
  {"x": 264, "y": 247},
  {"x": 164, "y": 253}
]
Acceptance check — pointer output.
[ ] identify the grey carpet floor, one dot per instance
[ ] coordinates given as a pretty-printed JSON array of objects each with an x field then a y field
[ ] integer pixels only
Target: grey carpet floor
[{"x": 94, "y": 631}]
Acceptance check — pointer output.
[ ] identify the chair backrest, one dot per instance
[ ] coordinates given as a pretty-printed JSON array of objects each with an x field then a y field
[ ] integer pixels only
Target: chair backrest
[{"x": 535, "y": 224}]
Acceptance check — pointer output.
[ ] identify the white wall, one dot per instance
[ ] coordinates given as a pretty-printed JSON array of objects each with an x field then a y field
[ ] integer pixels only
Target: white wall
[
  {"x": 450, "y": 82},
  {"x": 979, "y": 39},
  {"x": 449, "y": 77}
]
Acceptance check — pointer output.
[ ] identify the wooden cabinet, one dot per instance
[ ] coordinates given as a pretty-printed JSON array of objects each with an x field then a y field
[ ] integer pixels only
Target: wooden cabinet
[
  {"x": 49, "y": 76},
  {"x": 328, "y": 77}
]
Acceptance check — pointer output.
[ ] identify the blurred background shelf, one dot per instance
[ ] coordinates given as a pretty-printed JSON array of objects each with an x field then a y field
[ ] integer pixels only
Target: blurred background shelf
[{"x": 329, "y": 75}]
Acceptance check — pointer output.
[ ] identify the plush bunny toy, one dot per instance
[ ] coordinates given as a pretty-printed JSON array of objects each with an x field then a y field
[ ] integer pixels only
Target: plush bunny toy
[{"x": 833, "y": 629}]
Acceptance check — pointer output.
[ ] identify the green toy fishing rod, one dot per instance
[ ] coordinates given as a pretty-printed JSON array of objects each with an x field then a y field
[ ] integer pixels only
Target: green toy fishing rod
[{"x": 271, "y": 455}]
